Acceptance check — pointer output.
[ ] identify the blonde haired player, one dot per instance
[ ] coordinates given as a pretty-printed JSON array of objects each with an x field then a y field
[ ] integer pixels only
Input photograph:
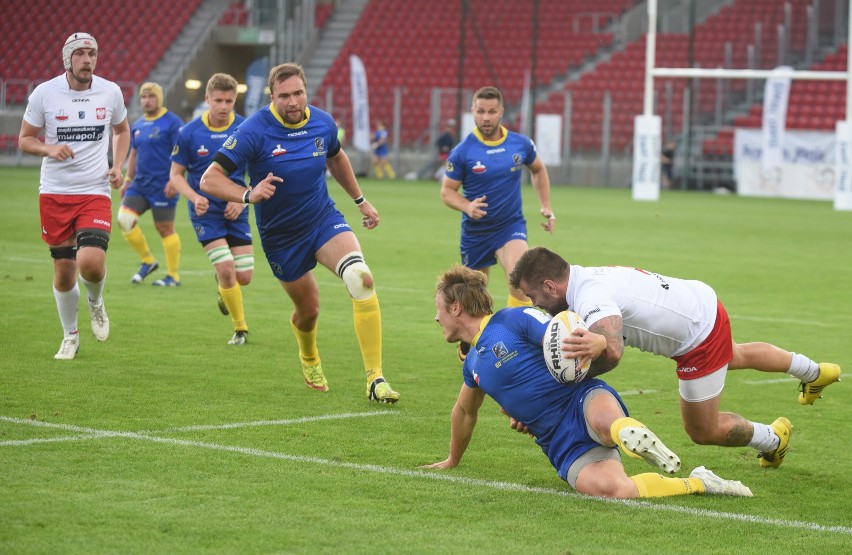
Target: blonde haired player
[
  {"x": 74, "y": 110},
  {"x": 577, "y": 425},
  {"x": 222, "y": 227},
  {"x": 147, "y": 185}
]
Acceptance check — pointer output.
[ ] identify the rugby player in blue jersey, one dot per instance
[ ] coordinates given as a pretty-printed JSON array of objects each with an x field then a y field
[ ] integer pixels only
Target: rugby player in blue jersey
[
  {"x": 287, "y": 147},
  {"x": 483, "y": 181},
  {"x": 222, "y": 227},
  {"x": 576, "y": 425},
  {"x": 147, "y": 185}
]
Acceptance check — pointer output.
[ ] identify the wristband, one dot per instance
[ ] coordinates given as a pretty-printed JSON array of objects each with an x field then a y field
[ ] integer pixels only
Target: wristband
[
  {"x": 550, "y": 216},
  {"x": 246, "y": 196},
  {"x": 128, "y": 179},
  {"x": 360, "y": 200}
]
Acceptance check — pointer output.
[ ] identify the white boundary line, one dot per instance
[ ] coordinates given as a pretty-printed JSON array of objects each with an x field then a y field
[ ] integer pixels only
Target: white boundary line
[
  {"x": 271, "y": 422},
  {"x": 504, "y": 486}
]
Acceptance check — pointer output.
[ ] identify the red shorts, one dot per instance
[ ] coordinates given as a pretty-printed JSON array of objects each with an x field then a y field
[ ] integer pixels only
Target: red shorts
[
  {"x": 63, "y": 215},
  {"x": 713, "y": 353}
]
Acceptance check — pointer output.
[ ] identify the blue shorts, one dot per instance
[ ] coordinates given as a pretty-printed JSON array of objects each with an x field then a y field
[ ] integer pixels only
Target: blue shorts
[
  {"x": 478, "y": 251},
  {"x": 291, "y": 263},
  {"x": 143, "y": 195},
  {"x": 571, "y": 438},
  {"x": 210, "y": 227}
]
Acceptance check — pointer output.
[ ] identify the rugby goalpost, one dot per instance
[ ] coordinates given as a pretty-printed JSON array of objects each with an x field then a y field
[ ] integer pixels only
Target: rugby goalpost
[{"x": 647, "y": 131}]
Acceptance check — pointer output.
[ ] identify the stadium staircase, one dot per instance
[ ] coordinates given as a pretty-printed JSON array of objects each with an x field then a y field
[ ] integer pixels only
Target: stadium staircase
[{"x": 336, "y": 27}]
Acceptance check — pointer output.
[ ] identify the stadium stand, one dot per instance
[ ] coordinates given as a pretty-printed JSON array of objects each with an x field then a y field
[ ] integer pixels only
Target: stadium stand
[
  {"x": 623, "y": 75},
  {"x": 401, "y": 47},
  {"x": 133, "y": 37}
]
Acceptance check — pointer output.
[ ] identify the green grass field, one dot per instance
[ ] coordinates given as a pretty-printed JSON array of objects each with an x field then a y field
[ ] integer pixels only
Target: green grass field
[{"x": 166, "y": 440}]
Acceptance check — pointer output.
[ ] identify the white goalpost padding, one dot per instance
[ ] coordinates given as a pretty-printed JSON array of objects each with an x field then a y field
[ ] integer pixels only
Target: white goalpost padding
[{"x": 647, "y": 130}]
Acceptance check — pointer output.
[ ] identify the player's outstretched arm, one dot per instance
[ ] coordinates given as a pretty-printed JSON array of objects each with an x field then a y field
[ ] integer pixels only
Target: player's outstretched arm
[{"x": 462, "y": 422}]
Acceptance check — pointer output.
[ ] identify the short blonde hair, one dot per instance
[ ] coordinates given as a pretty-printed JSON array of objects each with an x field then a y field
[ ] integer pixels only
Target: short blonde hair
[
  {"x": 221, "y": 82},
  {"x": 152, "y": 88},
  {"x": 467, "y": 287}
]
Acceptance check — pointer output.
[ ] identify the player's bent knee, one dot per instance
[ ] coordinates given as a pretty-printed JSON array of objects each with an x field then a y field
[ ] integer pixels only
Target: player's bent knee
[
  {"x": 60, "y": 253},
  {"x": 356, "y": 275},
  {"x": 127, "y": 219},
  {"x": 92, "y": 237}
]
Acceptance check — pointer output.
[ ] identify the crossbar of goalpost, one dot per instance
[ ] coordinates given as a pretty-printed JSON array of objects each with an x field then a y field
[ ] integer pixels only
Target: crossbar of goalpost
[{"x": 647, "y": 132}]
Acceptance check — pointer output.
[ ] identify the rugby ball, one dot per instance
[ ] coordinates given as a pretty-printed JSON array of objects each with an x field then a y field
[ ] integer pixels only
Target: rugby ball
[{"x": 563, "y": 370}]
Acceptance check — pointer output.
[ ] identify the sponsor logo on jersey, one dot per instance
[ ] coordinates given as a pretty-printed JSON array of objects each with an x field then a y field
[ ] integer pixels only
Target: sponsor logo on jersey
[
  {"x": 319, "y": 143},
  {"x": 79, "y": 100},
  {"x": 517, "y": 160},
  {"x": 202, "y": 151},
  {"x": 499, "y": 349},
  {"x": 100, "y": 113},
  {"x": 175, "y": 150},
  {"x": 686, "y": 369},
  {"x": 297, "y": 133},
  {"x": 278, "y": 151},
  {"x": 479, "y": 167},
  {"x": 495, "y": 150},
  {"x": 81, "y": 114},
  {"x": 85, "y": 133},
  {"x": 61, "y": 115},
  {"x": 218, "y": 135},
  {"x": 449, "y": 166},
  {"x": 593, "y": 311},
  {"x": 101, "y": 222},
  {"x": 230, "y": 143}
]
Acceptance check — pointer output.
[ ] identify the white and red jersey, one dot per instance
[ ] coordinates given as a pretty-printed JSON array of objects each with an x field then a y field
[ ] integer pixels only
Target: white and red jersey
[
  {"x": 662, "y": 315},
  {"x": 82, "y": 120}
]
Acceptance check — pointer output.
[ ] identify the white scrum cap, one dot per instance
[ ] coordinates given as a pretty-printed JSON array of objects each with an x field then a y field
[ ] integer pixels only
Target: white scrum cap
[{"x": 74, "y": 42}]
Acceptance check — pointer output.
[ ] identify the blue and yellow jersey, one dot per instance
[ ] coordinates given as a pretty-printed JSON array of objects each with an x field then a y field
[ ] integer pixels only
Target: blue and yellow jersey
[
  {"x": 153, "y": 139},
  {"x": 295, "y": 153},
  {"x": 196, "y": 145},
  {"x": 507, "y": 363},
  {"x": 381, "y": 135},
  {"x": 493, "y": 169}
]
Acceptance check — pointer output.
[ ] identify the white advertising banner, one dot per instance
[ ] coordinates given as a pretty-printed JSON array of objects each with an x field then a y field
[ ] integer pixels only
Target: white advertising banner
[
  {"x": 646, "y": 157},
  {"x": 548, "y": 138},
  {"x": 843, "y": 167},
  {"x": 360, "y": 105},
  {"x": 806, "y": 170},
  {"x": 775, "y": 97}
]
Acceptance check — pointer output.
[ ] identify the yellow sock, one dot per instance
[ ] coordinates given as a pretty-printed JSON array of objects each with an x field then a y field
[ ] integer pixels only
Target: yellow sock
[
  {"x": 377, "y": 168},
  {"x": 307, "y": 341},
  {"x": 655, "y": 485},
  {"x": 171, "y": 244},
  {"x": 233, "y": 298},
  {"x": 368, "y": 329},
  {"x": 137, "y": 240},
  {"x": 513, "y": 302},
  {"x": 389, "y": 170}
]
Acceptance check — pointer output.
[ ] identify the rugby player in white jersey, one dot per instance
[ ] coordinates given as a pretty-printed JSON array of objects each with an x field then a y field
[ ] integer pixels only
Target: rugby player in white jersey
[
  {"x": 676, "y": 318},
  {"x": 75, "y": 110}
]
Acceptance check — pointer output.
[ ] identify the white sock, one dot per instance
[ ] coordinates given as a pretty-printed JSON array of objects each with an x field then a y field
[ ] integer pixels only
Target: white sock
[
  {"x": 764, "y": 438},
  {"x": 95, "y": 289},
  {"x": 803, "y": 368},
  {"x": 66, "y": 303}
]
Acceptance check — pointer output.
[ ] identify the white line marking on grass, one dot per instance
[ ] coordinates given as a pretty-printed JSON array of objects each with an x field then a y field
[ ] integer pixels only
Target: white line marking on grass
[
  {"x": 272, "y": 422},
  {"x": 788, "y": 379},
  {"x": 34, "y": 441},
  {"x": 822, "y": 324},
  {"x": 636, "y": 392},
  {"x": 434, "y": 475}
]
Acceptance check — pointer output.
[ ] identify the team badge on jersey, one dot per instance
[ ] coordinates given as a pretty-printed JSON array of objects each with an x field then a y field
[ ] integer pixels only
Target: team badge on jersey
[
  {"x": 100, "y": 113},
  {"x": 450, "y": 166},
  {"x": 479, "y": 167},
  {"x": 319, "y": 143},
  {"x": 230, "y": 143},
  {"x": 81, "y": 114},
  {"x": 278, "y": 151},
  {"x": 500, "y": 349},
  {"x": 516, "y": 158},
  {"x": 202, "y": 151}
]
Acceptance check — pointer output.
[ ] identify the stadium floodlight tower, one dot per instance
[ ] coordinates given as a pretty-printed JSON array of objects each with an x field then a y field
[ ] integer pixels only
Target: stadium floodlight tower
[{"x": 647, "y": 126}]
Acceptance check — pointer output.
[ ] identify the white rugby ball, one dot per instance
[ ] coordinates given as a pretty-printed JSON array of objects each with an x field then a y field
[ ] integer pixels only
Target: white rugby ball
[{"x": 563, "y": 370}]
